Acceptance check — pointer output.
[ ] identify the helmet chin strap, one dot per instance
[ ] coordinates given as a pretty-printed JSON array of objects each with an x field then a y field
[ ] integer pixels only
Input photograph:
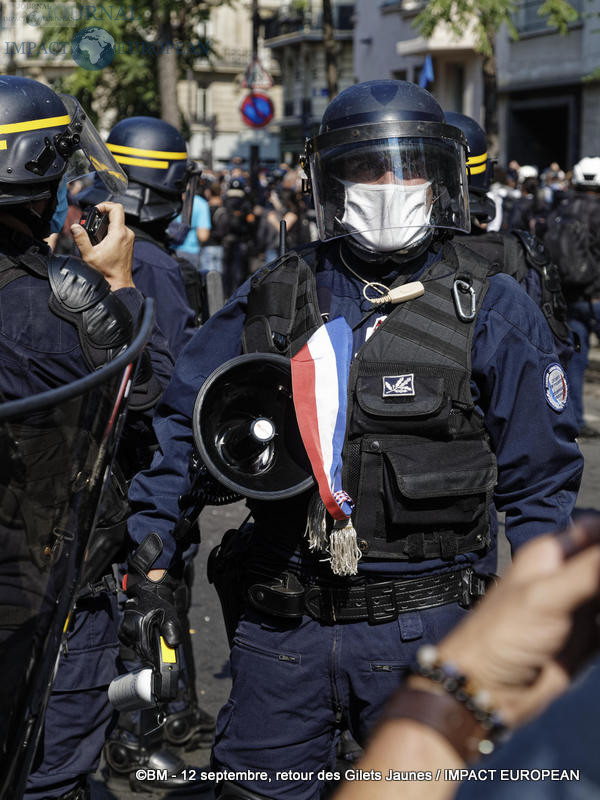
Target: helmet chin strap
[
  {"x": 397, "y": 257},
  {"x": 38, "y": 223}
]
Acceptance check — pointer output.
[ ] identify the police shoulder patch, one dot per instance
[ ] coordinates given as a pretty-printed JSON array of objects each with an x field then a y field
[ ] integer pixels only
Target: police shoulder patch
[{"x": 556, "y": 388}]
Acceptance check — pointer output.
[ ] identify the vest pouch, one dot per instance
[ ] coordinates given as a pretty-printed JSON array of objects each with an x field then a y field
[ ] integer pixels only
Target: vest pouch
[
  {"x": 392, "y": 403},
  {"x": 438, "y": 483},
  {"x": 428, "y": 490}
]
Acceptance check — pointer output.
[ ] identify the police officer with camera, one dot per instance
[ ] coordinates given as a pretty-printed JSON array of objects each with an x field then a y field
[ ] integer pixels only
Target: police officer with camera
[
  {"x": 456, "y": 404},
  {"x": 62, "y": 318}
]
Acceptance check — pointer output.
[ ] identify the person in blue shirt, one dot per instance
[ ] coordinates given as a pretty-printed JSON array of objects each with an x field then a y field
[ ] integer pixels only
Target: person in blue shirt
[
  {"x": 199, "y": 231},
  {"x": 458, "y": 406}
]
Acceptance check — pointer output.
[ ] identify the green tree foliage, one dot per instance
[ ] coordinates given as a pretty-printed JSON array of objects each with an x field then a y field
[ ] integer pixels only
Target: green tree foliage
[
  {"x": 486, "y": 17},
  {"x": 141, "y": 30}
]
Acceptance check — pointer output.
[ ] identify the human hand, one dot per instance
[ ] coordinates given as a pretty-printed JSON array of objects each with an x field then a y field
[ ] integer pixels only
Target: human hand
[
  {"x": 151, "y": 605},
  {"x": 114, "y": 254},
  {"x": 51, "y": 241},
  {"x": 536, "y": 626}
]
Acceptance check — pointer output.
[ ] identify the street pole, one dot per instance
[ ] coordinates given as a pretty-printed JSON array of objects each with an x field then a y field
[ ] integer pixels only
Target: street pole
[{"x": 254, "y": 148}]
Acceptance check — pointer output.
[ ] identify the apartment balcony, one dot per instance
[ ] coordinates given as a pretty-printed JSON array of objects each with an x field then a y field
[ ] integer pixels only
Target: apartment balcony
[
  {"x": 442, "y": 42},
  {"x": 291, "y": 26}
]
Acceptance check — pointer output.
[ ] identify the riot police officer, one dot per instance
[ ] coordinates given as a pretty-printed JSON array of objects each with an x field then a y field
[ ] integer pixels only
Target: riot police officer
[
  {"x": 517, "y": 253},
  {"x": 62, "y": 318},
  {"x": 573, "y": 240},
  {"x": 153, "y": 154},
  {"x": 457, "y": 403}
]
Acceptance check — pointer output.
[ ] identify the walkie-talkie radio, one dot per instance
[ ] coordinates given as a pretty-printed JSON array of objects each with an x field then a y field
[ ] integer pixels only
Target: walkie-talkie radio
[{"x": 96, "y": 224}]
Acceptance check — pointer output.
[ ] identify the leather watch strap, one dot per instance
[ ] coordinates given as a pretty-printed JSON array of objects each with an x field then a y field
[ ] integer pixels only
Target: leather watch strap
[{"x": 443, "y": 713}]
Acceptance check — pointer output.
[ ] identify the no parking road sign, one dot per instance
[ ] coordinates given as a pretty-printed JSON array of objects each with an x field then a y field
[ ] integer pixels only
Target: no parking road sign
[{"x": 257, "y": 110}]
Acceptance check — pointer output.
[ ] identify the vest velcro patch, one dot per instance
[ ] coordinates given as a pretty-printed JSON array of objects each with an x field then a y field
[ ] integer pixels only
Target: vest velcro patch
[{"x": 399, "y": 385}]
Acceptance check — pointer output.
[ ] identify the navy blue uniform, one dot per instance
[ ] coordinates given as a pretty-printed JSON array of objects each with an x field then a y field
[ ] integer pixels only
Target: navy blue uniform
[
  {"x": 157, "y": 275},
  {"x": 295, "y": 681},
  {"x": 40, "y": 351}
]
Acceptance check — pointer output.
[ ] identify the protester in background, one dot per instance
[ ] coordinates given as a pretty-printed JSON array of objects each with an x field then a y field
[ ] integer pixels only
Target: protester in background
[
  {"x": 199, "y": 232},
  {"x": 554, "y": 184},
  {"x": 573, "y": 240},
  {"x": 527, "y": 207},
  {"x": 211, "y": 255},
  {"x": 240, "y": 230}
]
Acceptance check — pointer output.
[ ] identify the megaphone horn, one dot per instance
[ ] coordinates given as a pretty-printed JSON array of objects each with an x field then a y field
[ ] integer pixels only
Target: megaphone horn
[{"x": 245, "y": 428}]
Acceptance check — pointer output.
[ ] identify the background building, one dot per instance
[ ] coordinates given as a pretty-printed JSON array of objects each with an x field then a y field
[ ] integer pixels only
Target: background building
[
  {"x": 295, "y": 37},
  {"x": 212, "y": 92},
  {"x": 548, "y": 111},
  {"x": 209, "y": 97},
  {"x": 386, "y": 45},
  {"x": 548, "y": 84}
]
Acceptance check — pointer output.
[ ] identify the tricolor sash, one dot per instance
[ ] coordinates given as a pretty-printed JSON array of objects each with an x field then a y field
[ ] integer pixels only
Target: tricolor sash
[{"x": 320, "y": 385}]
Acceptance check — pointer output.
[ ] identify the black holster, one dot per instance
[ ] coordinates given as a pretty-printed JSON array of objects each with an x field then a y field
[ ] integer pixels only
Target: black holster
[{"x": 226, "y": 571}]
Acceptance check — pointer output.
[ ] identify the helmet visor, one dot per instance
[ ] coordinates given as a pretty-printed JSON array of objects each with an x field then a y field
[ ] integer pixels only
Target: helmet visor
[
  {"x": 89, "y": 153},
  {"x": 387, "y": 184}
]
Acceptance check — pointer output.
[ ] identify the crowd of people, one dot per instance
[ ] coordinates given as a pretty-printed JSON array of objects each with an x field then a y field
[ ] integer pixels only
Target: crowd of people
[
  {"x": 233, "y": 230},
  {"x": 437, "y": 352}
]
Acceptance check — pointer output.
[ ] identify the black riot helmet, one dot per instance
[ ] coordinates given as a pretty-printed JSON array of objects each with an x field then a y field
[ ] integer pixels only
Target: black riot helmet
[
  {"x": 479, "y": 166},
  {"x": 386, "y": 170},
  {"x": 45, "y": 137},
  {"x": 153, "y": 153}
]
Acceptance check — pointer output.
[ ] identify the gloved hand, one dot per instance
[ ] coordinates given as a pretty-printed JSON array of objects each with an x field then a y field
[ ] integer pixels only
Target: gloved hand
[{"x": 151, "y": 606}]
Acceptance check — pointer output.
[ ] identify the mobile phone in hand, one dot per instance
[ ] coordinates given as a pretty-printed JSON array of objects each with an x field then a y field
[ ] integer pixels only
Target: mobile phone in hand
[{"x": 95, "y": 223}]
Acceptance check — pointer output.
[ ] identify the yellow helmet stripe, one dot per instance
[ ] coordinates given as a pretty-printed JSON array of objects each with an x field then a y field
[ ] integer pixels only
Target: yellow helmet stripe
[
  {"x": 476, "y": 170},
  {"x": 142, "y": 162},
  {"x": 477, "y": 159},
  {"x": 136, "y": 151},
  {"x": 34, "y": 124}
]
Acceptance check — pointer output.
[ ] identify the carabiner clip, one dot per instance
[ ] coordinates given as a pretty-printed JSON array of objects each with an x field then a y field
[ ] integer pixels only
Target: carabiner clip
[{"x": 465, "y": 288}]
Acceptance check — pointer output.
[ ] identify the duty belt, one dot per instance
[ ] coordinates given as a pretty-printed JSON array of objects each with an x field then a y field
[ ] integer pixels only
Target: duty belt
[{"x": 376, "y": 602}]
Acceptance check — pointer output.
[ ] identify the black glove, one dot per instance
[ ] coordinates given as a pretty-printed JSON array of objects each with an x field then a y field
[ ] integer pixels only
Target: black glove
[{"x": 151, "y": 604}]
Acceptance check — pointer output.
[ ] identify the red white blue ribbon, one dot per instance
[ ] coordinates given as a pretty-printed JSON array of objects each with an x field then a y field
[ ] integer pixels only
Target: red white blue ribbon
[{"x": 319, "y": 386}]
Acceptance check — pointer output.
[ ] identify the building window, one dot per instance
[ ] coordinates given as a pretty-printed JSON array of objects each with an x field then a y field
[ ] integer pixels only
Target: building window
[
  {"x": 527, "y": 19},
  {"x": 399, "y": 75},
  {"x": 456, "y": 86}
]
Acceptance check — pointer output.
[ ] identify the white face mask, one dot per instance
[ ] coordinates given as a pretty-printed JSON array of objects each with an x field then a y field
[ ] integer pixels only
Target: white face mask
[{"x": 387, "y": 216}]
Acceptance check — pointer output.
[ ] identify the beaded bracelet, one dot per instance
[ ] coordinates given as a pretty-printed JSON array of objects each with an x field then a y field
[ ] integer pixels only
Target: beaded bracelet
[{"x": 476, "y": 701}]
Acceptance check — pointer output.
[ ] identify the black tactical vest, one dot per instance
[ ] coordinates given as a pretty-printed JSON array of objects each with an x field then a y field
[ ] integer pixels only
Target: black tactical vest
[
  {"x": 416, "y": 460},
  {"x": 516, "y": 253}
]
